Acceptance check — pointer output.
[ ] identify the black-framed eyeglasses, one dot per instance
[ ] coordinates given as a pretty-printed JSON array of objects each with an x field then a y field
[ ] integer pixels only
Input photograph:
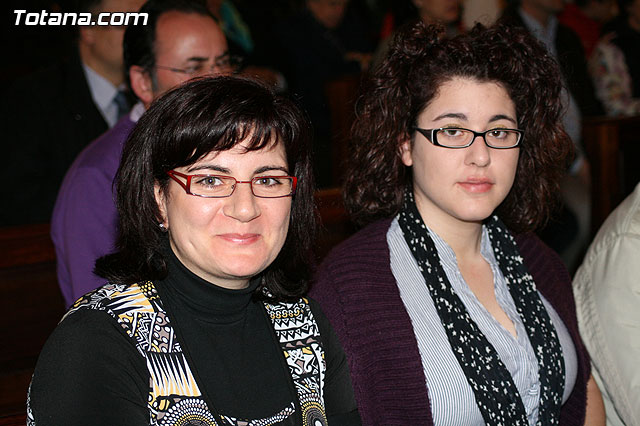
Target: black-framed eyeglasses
[
  {"x": 458, "y": 137},
  {"x": 223, "y": 64},
  {"x": 220, "y": 186}
]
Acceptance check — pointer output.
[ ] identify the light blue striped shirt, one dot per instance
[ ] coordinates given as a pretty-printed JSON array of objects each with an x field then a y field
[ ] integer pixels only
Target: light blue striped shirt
[{"x": 452, "y": 399}]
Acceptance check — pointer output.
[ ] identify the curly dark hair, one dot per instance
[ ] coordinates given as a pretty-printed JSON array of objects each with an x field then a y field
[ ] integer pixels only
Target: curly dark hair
[
  {"x": 420, "y": 60},
  {"x": 181, "y": 127}
]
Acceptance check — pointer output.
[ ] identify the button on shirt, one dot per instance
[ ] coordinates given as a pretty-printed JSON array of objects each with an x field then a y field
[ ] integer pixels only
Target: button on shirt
[{"x": 452, "y": 399}]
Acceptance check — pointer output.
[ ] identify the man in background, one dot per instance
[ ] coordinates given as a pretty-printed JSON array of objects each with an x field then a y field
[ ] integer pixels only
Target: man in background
[
  {"x": 50, "y": 116},
  {"x": 181, "y": 41},
  {"x": 324, "y": 41},
  {"x": 568, "y": 234}
]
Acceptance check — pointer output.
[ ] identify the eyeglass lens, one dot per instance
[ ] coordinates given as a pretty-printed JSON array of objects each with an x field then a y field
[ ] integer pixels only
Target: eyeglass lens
[
  {"x": 455, "y": 137},
  {"x": 223, "y": 186}
]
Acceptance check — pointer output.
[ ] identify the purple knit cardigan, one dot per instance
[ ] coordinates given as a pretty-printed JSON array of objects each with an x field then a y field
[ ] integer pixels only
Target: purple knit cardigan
[{"x": 359, "y": 295}]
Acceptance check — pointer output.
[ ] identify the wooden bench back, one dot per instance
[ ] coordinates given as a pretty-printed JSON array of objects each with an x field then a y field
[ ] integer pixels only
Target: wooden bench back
[
  {"x": 613, "y": 149},
  {"x": 32, "y": 306}
]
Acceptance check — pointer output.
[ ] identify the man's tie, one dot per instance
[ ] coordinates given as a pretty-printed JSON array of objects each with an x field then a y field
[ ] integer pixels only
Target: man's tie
[{"x": 120, "y": 99}]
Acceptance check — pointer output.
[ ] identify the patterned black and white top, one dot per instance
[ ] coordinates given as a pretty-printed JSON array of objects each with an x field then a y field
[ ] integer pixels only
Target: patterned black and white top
[
  {"x": 452, "y": 399},
  {"x": 182, "y": 351}
]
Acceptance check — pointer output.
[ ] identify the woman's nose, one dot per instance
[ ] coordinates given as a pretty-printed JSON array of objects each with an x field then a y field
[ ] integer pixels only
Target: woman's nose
[
  {"x": 242, "y": 205},
  {"x": 478, "y": 153}
]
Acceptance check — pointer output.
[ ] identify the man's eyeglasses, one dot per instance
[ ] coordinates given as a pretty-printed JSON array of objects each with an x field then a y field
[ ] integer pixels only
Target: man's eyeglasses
[
  {"x": 225, "y": 64},
  {"x": 457, "y": 137},
  {"x": 219, "y": 186}
]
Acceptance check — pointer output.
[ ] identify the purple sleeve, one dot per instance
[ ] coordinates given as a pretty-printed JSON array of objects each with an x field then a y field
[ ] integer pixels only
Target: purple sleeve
[
  {"x": 83, "y": 228},
  {"x": 358, "y": 294}
]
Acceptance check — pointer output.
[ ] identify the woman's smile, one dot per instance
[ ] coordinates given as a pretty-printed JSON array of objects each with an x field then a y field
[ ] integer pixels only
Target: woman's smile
[{"x": 241, "y": 239}]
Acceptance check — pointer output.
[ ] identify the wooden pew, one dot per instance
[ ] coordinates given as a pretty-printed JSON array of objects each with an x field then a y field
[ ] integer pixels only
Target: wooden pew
[
  {"x": 32, "y": 306},
  {"x": 613, "y": 149},
  {"x": 341, "y": 97},
  {"x": 14, "y": 420}
]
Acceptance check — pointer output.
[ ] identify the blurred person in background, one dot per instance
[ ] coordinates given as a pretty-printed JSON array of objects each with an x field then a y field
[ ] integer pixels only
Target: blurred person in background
[
  {"x": 586, "y": 18},
  {"x": 50, "y": 116},
  {"x": 325, "y": 40},
  {"x": 182, "y": 40},
  {"x": 615, "y": 64},
  {"x": 443, "y": 12},
  {"x": 242, "y": 43},
  {"x": 568, "y": 232}
]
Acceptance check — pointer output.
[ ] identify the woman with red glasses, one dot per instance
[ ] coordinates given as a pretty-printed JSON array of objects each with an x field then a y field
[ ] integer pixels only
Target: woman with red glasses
[
  {"x": 203, "y": 320},
  {"x": 449, "y": 310}
]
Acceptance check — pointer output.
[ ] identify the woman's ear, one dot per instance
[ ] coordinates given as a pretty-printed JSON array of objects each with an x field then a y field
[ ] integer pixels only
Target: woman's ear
[
  {"x": 161, "y": 201},
  {"x": 405, "y": 152}
]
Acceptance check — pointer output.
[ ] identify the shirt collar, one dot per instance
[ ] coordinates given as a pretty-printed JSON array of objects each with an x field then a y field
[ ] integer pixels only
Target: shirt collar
[
  {"x": 448, "y": 257},
  {"x": 102, "y": 91},
  {"x": 136, "y": 111}
]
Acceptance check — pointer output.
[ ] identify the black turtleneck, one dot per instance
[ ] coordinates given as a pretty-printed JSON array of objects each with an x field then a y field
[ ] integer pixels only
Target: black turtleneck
[
  {"x": 90, "y": 372},
  {"x": 227, "y": 335}
]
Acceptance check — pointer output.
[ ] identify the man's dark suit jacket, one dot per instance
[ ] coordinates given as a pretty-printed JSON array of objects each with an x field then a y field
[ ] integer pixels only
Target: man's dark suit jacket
[{"x": 47, "y": 119}]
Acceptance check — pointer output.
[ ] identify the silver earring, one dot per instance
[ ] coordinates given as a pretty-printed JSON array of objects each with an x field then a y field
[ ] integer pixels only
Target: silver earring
[{"x": 162, "y": 227}]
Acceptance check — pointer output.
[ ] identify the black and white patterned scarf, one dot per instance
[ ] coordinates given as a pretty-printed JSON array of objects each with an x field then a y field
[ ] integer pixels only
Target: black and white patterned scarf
[{"x": 495, "y": 392}]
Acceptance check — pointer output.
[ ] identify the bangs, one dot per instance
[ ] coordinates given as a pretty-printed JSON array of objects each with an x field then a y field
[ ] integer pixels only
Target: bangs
[
  {"x": 195, "y": 126},
  {"x": 255, "y": 136}
]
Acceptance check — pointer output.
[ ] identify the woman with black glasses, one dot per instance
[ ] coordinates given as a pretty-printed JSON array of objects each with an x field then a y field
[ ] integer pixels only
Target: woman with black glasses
[
  {"x": 203, "y": 320},
  {"x": 449, "y": 310}
]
